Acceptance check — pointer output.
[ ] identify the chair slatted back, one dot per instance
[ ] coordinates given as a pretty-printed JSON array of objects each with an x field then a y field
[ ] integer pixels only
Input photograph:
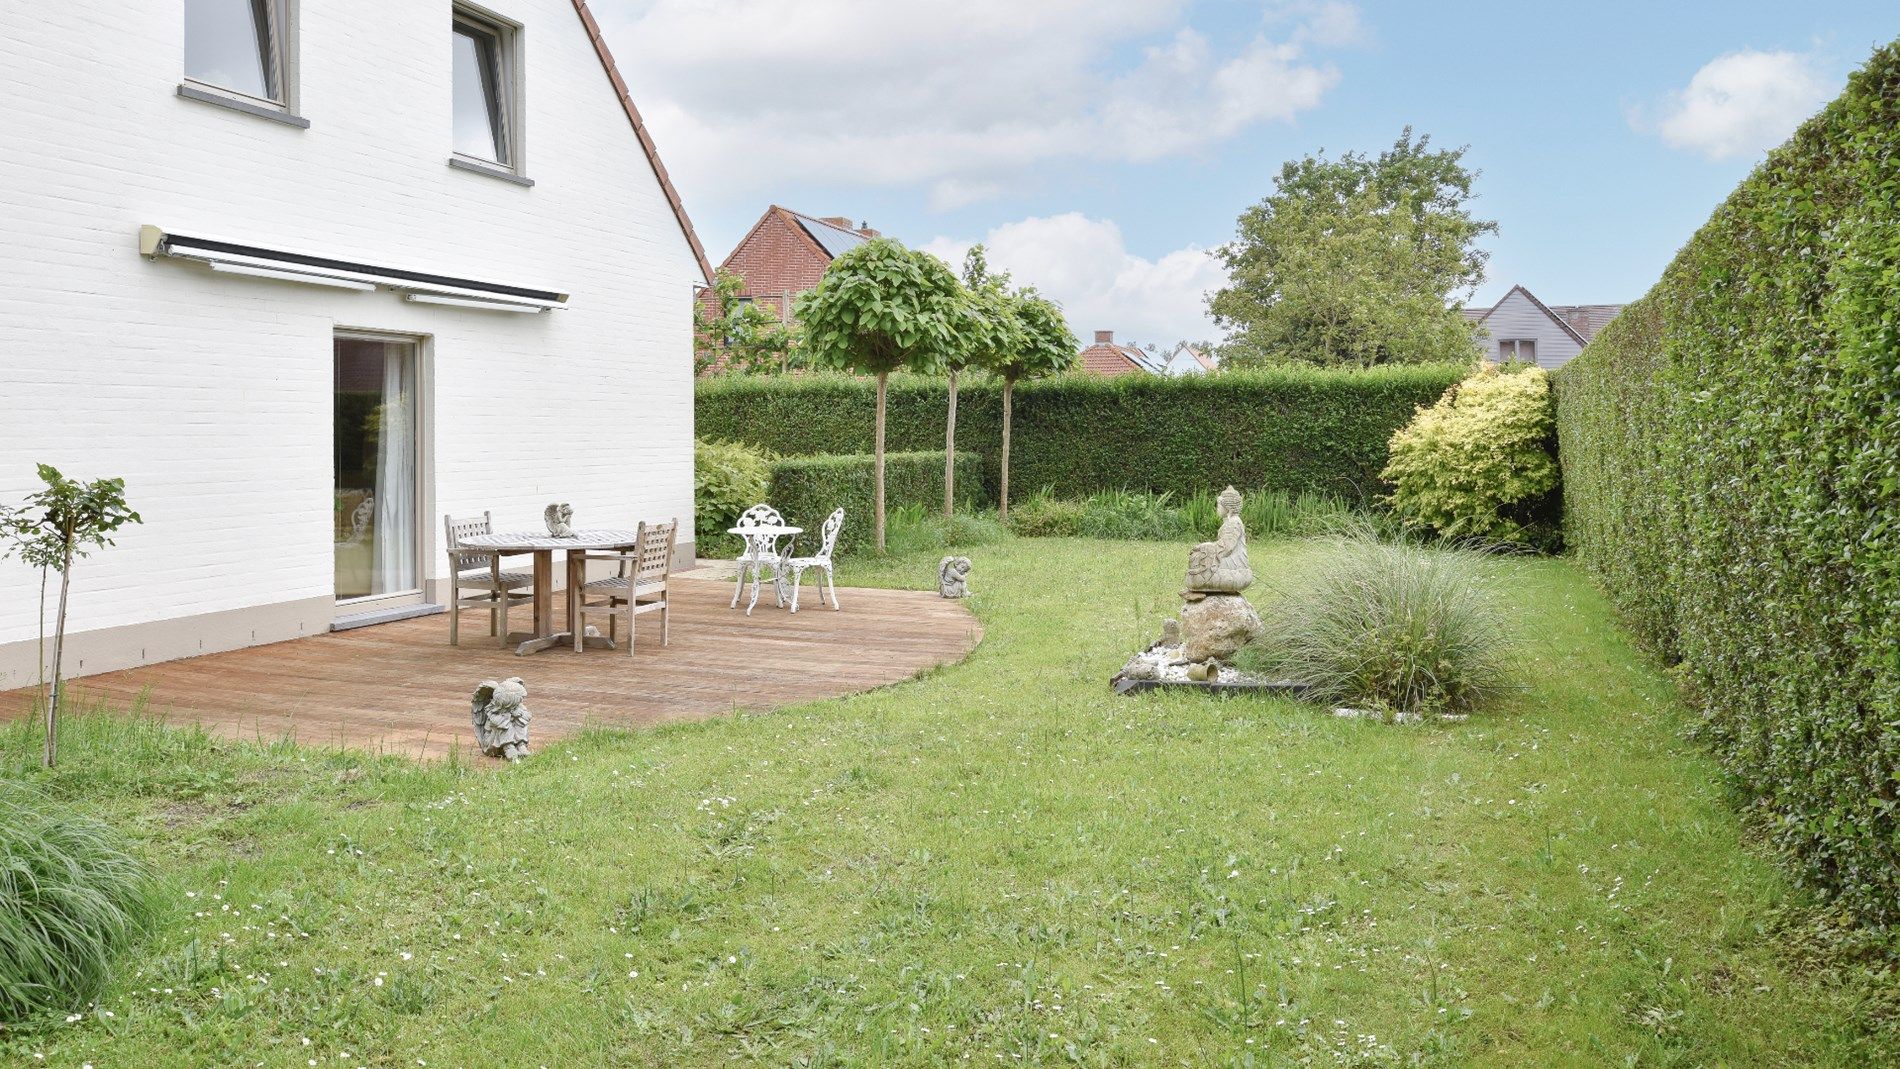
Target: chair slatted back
[
  {"x": 655, "y": 551},
  {"x": 461, "y": 527}
]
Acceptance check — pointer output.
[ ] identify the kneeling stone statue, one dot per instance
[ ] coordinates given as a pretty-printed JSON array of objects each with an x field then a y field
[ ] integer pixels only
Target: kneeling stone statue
[
  {"x": 953, "y": 577},
  {"x": 501, "y": 718}
]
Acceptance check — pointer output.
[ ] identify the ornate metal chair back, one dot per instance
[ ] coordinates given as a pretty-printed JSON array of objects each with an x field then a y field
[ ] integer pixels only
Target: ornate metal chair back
[
  {"x": 760, "y": 515},
  {"x": 833, "y": 524},
  {"x": 760, "y": 546}
]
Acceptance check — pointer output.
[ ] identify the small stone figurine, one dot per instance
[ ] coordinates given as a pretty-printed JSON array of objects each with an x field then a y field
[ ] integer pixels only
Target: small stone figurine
[
  {"x": 501, "y": 718},
  {"x": 953, "y": 577},
  {"x": 560, "y": 518}
]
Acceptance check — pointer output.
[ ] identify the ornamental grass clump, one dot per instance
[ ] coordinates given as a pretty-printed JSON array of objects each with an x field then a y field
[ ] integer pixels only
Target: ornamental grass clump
[
  {"x": 1390, "y": 627},
  {"x": 71, "y": 898}
]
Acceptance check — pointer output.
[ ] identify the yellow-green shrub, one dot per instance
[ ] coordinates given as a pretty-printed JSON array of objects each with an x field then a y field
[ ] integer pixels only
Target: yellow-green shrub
[{"x": 1478, "y": 463}]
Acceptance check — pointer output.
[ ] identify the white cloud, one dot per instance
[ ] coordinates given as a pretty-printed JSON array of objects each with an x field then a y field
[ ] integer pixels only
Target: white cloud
[
  {"x": 1084, "y": 265},
  {"x": 1741, "y": 104},
  {"x": 960, "y": 96}
]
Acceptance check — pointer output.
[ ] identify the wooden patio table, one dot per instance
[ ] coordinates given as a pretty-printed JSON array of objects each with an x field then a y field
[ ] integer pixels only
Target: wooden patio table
[{"x": 543, "y": 547}]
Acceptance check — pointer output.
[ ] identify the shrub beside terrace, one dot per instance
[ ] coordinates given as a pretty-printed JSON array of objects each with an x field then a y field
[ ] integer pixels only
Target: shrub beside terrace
[
  {"x": 1731, "y": 468},
  {"x": 732, "y": 477},
  {"x": 1290, "y": 429}
]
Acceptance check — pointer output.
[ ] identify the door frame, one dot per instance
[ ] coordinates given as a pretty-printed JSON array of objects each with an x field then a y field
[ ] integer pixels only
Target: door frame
[{"x": 421, "y": 346}]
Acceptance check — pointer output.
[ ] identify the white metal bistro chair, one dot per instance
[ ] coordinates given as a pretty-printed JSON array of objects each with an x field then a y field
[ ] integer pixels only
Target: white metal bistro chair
[
  {"x": 480, "y": 570},
  {"x": 760, "y": 553},
  {"x": 640, "y": 587},
  {"x": 821, "y": 559}
]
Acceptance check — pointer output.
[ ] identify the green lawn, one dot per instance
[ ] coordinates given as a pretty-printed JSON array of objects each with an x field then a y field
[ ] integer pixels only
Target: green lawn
[{"x": 998, "y": 864}]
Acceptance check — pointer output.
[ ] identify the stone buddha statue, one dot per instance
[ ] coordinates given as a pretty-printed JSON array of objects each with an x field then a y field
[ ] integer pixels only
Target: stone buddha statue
[{"x": 1220, "y": 566}]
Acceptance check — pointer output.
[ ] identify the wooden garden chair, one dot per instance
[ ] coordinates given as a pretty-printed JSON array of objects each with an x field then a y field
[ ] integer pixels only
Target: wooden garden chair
[
  {"x": 480, "y": 570},
  {"x": 640, "y": 586}
]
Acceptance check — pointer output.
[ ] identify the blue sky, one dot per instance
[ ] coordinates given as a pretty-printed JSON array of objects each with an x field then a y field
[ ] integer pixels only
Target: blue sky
[{"x": 1102, "y": 146}]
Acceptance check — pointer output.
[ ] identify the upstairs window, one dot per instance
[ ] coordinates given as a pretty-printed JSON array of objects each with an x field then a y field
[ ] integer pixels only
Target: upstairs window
[
  {"x": 1522, "y": 350},
  {"x": 237, "y": 46},
  {"x": 484, "y": 90}
]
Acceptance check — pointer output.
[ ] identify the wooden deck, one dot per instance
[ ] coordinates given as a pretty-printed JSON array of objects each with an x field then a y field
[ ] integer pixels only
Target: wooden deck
[{"x": 401, "y": 688}]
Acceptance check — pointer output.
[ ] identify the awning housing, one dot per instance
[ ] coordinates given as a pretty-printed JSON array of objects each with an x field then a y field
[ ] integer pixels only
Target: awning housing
[{"x": 236, "y": 258}]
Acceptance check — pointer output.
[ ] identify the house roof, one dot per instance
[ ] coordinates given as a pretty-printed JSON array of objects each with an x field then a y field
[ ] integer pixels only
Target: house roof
[
  {"x": 1110, "y": 358},
  {"x": 833, "y": 239},
  {"x": 1580, "y": 321},
  {"x": 646, "y": 139},
  {"x": 1587, "y": 318},
  {"x": 1195, "y": 353}
]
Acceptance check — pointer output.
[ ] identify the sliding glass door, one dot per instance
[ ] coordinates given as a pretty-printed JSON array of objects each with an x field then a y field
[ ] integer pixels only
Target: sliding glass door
[{"x": 377, "y": 477}]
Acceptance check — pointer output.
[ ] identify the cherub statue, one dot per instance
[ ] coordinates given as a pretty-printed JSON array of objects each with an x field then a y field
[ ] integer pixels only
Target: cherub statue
[
  {"x": 1220, "y": 566},
  {"x": 953, "y": 577},
  {"x": 501, "y": 718},
  {"x": 560, "y": 518}
]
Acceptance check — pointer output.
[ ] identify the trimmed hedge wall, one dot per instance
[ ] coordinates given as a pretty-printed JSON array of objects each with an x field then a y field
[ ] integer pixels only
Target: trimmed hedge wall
[
  {"x": 806, "y": 489},
  {"x": 1288, "y": 429},
  {"x": 1731, "y": 456}
]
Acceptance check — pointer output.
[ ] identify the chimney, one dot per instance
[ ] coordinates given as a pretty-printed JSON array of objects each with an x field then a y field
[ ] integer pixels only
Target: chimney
[
  {"x": 1104, "y": 337},
  {"x": 1579, "y": 321},
  {"x": 838, "y": 221},
  {"x": 864, "y": 228}
]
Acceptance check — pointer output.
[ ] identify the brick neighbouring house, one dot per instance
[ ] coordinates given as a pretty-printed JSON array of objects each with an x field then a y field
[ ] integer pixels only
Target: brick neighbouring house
[
  {"x": 786, "y": 252},
  {"x": 1107, "y": 359}
]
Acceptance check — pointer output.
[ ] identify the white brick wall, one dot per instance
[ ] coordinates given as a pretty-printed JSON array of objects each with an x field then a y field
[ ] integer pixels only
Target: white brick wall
[{"x": 211, "y": 394}]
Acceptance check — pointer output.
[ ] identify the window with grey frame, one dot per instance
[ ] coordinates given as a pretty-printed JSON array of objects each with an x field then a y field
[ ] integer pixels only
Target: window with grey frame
[
  {"x": 238, "y": 46},
  {"x": 484, "y": 90},
  {"x": 1522, "y": 350}
]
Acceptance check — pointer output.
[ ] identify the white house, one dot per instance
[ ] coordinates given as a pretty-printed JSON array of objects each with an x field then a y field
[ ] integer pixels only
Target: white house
[
  {"x": 310, "y": 276},
  {"x": 1188, "y": 359},
  {"x": 1521, "y": 327}
]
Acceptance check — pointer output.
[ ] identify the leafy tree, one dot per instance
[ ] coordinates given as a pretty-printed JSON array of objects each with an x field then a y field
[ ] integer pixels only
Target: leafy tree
[
  {"x": 880, "y": 308},
  {"x": 48, "y": 529},
  {"x": 1359, "y": 260},
  {"x": 992, "y": 337},
  {"x": 1047, "y": 347},
  {"x": 734, "y": 334}
]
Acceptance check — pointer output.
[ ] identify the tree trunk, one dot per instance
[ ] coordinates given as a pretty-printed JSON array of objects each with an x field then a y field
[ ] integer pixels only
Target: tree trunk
[
  {"x": 950, "y": 452},
  {"x": 59, "y": 647},
  {"x": 44, "y": 700},
  {"x": 1009, "y": 387},
  {"x": 877, "y": 463}
]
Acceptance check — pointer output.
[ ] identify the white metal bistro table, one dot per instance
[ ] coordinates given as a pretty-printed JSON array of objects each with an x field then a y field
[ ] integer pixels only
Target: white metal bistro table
[
  {"x": 544, "y": 547},
  {"x": 761, "y": 531}
]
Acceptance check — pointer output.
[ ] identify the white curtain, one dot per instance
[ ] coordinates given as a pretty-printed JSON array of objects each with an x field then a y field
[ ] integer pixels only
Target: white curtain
[{"x": 395, "y": 567}]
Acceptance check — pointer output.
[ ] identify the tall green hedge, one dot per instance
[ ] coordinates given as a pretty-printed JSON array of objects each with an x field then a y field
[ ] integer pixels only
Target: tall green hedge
[
  {"x": 1731, "y": 456},
  {"x": 806, "y": 489},
  {"x": 1285, "y": 429}
]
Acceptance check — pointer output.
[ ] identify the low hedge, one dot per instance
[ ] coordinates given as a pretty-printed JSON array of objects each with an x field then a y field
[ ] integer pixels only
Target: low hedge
[
  {"x": 806, "y": 489},
  {"x": 1731, "y": 469},
  {"x": 1290, "y": 429}
]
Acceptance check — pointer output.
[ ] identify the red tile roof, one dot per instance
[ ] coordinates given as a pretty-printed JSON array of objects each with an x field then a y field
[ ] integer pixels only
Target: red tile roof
[{"x": 1108, "y": 359}]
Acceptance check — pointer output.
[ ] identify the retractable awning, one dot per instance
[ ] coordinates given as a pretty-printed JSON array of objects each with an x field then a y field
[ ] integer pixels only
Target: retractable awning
[{"x": 230, "y": 257}]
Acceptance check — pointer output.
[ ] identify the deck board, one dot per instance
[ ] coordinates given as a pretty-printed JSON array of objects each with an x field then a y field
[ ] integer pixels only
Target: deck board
[{"x": 401, "y": 688}]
